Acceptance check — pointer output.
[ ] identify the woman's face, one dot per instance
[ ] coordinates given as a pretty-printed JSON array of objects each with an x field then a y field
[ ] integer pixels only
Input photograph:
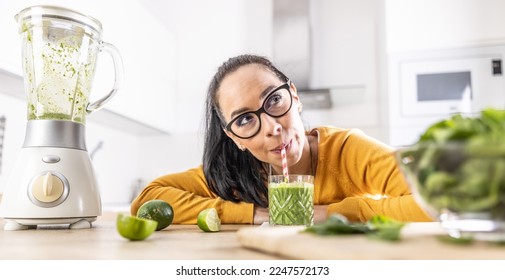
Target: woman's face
[{"x": 244, "y": 90}]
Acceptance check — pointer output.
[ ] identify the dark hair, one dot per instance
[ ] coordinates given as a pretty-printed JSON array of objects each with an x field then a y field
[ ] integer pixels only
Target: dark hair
[{"x": 232, "y": 174}]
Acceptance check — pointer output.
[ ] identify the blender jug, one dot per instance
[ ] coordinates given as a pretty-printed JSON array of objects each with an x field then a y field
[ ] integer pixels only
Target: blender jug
[{"x": 59, "y": 54}]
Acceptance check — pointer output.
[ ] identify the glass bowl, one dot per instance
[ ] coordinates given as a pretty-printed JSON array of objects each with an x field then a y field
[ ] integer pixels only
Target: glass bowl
[{"x": 460, "y": 185}]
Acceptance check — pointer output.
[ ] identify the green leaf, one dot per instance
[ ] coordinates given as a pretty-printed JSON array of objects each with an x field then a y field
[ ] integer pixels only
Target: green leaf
[
  {"x": 454, "y": 240},
  {"x": 385, "y": 228},
  {"x": 379, "y": 227},
  {"x": 337, "y": 224}
]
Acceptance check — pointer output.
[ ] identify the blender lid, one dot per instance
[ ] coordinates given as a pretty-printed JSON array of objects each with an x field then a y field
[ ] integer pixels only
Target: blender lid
[{"x": 55, "y": 12}]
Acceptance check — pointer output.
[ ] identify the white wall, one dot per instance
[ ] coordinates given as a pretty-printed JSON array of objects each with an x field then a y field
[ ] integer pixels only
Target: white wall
[
  {"x": 116, "y": 163},
  {"x": 172, "y": 154},
  {"x": 206, "y": 34}
]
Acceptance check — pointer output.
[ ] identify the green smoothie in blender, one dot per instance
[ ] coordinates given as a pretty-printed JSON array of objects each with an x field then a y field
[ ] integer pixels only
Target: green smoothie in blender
[
  {"x": 60, "y": 90},
  {"x": 59, "y": 65}
]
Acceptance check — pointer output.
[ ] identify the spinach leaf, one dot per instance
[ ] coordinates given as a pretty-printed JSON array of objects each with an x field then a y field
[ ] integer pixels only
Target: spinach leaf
[
  {"x": 461, "y": 163},
  {"x": 380, "y": 227},
  {"x": 385, "y": 228},
  {"x": 338, "y": 224}
]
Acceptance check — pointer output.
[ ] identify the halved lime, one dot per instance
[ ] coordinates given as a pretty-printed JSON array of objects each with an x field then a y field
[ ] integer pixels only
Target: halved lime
[
  {"x": 134, "y": 228},
  {"x": 208, "y": 220},
  {"x": 157, "y": 210}
]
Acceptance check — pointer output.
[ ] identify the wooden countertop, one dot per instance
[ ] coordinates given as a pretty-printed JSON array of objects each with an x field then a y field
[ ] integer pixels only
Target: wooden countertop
[
  {"x": 181, "y": 242},
  {"x": 233, "y": 242}
]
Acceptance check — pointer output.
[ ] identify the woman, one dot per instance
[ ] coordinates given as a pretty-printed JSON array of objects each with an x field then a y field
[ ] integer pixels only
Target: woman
[{"x": 252, "y": 112}]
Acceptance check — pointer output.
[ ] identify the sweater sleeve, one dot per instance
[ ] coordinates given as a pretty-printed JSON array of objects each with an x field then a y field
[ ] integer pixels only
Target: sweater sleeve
[
  {"x": 402, "y": 208},
  {"x": 188, "y": 193},
  {"x": 370, "y": 181}
]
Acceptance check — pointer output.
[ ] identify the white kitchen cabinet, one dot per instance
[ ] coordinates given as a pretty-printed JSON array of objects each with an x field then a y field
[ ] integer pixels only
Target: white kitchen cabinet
[{"x": 147, "y": 49}]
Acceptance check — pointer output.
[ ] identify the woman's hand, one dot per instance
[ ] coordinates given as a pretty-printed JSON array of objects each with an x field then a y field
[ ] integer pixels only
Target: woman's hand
[
  {"x": 320, "y": 213},
  {"x": 260, "y": 215}
]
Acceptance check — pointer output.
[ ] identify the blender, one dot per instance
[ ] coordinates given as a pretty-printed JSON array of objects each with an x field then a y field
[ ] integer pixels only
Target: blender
[{"x": 53, "y": 181}]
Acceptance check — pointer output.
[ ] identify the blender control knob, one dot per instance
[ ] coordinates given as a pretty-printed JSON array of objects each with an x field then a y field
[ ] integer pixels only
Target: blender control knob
[{"x": 47, "y": 188}]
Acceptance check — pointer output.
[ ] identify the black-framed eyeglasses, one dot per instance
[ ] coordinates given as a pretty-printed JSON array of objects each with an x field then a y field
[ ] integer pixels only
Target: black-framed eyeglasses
[{"x": 277, "y": 103}]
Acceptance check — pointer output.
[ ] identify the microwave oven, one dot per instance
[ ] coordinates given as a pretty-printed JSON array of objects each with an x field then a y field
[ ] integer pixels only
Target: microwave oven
[{"x": 427, "y": 86}]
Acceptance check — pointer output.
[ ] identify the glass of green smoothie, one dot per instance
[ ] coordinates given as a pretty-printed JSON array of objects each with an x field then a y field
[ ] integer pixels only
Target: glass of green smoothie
[{"x": 291, "y": 200}]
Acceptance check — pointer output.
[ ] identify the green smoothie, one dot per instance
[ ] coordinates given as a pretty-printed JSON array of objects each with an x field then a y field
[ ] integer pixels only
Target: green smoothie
[
  {"x": 291, "y": 203},
  {"x": 58, "y": 75}
]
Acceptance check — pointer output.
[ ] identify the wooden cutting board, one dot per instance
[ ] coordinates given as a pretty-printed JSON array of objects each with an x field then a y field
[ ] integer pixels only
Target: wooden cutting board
[{"x": 419, "y": 241}]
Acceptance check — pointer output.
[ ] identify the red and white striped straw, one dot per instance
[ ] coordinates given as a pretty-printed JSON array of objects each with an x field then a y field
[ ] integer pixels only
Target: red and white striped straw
[{"x": 284, "y": 162}]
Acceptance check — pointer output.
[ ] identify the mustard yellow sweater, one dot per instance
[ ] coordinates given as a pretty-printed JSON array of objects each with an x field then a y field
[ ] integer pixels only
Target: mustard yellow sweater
[{"x": 356, "y": 176}]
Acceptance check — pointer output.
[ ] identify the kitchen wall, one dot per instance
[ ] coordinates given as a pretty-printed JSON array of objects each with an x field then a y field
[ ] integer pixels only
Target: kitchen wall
[
  {"x": 206, "y": 34},
  {"x": 351, "y": 42}
]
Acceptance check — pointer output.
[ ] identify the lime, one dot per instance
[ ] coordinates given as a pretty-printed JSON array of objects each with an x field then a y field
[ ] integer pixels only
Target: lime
[
  {"x": 208, "y": 220},
  {"x": 134, "y": 228},
  {"x": 157, "y": 210}
]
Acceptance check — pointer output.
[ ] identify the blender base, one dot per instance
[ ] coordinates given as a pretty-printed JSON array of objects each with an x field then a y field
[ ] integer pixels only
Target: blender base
[
  {"x": 80, "y": 198},
  {"x": 24, "y": 224}
]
